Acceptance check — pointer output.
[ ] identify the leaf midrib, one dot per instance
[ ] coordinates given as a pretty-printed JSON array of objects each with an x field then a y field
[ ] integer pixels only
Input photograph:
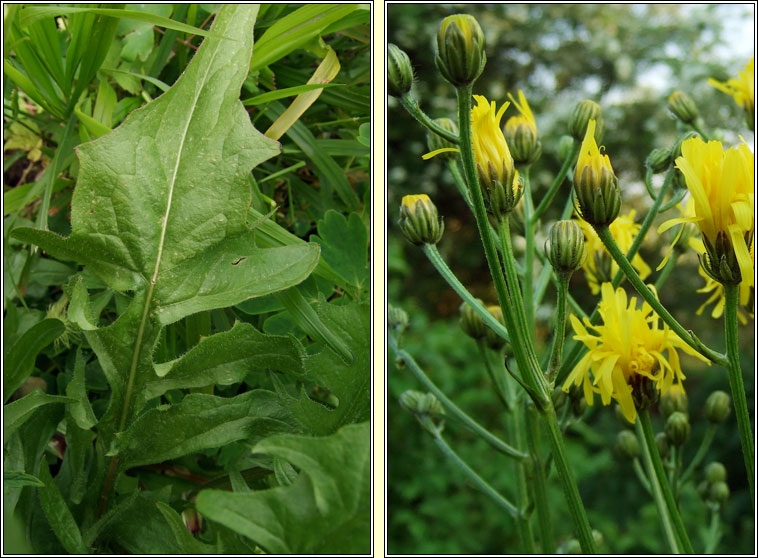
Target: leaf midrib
[{"x": 159, "y": 255}]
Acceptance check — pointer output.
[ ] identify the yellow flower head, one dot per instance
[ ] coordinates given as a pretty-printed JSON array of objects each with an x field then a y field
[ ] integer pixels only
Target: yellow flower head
[
  {"x": 599, "y": 266},
  {"x": 491, "y": 151},
  {"x": 595, "y": 183},
  {"x": 721, "y": 183},
  {"x": 742, "y": 88},
  {"x": 627, "y": 348},
  {"x": 590, "y": 156},
  {"x": 494, "y": 162},
  {"x": 526, "y": 117}
]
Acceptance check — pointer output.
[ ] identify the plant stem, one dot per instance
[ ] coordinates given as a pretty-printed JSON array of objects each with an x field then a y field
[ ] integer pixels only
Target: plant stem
[
  {"x": 431, "y": 252},
  {"x": 483, "y": 485},
  {"x": 451, "y": 407},
  {"x": 529, "y": 253},
  {"x": 658, "y": 477},
  {"x": 641, "y": 475},
  {"x": 511, "y": 278},
  {"x": 700, "y": 454},
  {"x": 571, "y": 492},
  {"x": 522, "y": 349},
  {"x": 547, "y": 540},
  {"x": 735, "y": 381},
  {"x": 514, "y": 427},
  {"x": 560, "y": 328},
  {"x": 411, "y": 105},
  {"x": 695, "y": 125},
  {"x": 714, "y": 532},
  {"x": 631, "y": 274},
  {"x": 547, "y": 199},
  {"x": 460, "y": 183},
  {"x": 654, "y": 488}
]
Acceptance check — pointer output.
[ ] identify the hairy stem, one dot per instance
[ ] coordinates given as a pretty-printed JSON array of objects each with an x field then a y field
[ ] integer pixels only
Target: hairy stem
[{"x": 735, "y": 382}]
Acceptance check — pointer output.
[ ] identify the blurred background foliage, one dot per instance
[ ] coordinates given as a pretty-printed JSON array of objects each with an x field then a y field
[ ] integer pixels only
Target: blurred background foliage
[{"x": 628, "y": 58}]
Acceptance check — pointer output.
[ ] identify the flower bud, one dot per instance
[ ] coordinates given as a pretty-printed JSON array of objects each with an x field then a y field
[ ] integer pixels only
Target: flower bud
[
  {"x": 663, "y": 444},
  {"x": 677, "y": 428},
  {"x": 471, "y": 322},
  {"x": 658, "y": 160},
  {"x": 715, "y": 472},
  {"x": 522, "y": 139},
  {"x": 521, "y": 133},
  {"x": 397, "y": 319},
  {"x": 674, "y": 400},
  {"x": 676, "y": 151},
  {"x": 683, "y": 107},
  {"x": 399, "y": 71},
  {"x": 718, "y": 406},
  {"x": 571, "y": 546},
  {"x": 718, "y": 492},
  {"x": 420, "y": 403},
  {"x": 192, "y": 520},
  {"x": 595, "y": 184},
  {"x": 702, "y": 489},
  {"x": 419, "y": 220},
  {"x": 564, "y": 147},
  {"x": 435, "y": 141},
  {"x": 565, "y": 247},
  {"x": 627, "y": 445},
  {"x": 585, "y": 111},
  {"x": 493, "y": 340},
  {"x": 460, "y": 49}
]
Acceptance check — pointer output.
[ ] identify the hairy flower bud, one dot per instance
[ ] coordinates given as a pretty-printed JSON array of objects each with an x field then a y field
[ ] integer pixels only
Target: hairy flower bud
[
  {"x": 715, "y": 472},
  {"x": 420, "y": 403},
  {"x": 397, "y": 318},
  {"x": 493, "y": 340},
  {"x": 399, "y": 71},
  {"x": 419, "y": 220},
  {"x": 658, "y": 160},
  {"x": 521, "y": 133},
  {"x": 683, "y": 107},
  {"x": 627, "y": 445},
  {"x": 677, "y": 428},
  {"x": 436, "y": 142},
  {"x": 471, "y": 322},
  {"x": 460, "y": 49},
  {"x": 675, "y": 400},
  {"x": 718, "y": 492},
  {"x": 595, "y": 184},
  {"x": 718, "y": 406},
  {"x": 585, "y": 111},
  {"x": 565, "y": 247}
]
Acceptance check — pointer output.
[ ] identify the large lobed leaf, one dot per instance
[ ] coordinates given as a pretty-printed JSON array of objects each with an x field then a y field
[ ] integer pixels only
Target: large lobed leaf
[
  {"x": 161, "y": 209},
  {"x": 326, "y": 510}
]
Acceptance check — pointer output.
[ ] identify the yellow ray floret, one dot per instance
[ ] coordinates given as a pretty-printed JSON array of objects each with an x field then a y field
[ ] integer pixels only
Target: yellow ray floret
[
  {"x": 630, "y": 344},
  {"x": 741, "y": 88}
]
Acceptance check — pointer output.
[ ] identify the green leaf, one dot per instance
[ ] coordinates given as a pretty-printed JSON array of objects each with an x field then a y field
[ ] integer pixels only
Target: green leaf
[
  {"x": 161, "y": 209},
  {"x": 344, "y": 246},
  {"x": 19, "y": 478},
  {"x": 30, "y": 14},
  {"x": 296, "y": 30},
  {"x": 57, "y": 513},
  {"x": 199, "y": 422},
  {"x": 188, "y": 543},
  {"x": 19, "y": 362},
  {"x": 350, "y": 383},
  {"x": 226, "y": 358},
  {"x": 284, "y": 93},
  {"x": 80, "y": 409},
  {"x": 325, "y": 510},
  {"x": 17, "y": 413}
]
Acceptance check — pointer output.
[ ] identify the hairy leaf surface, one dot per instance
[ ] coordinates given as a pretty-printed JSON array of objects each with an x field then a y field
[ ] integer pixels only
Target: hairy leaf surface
[{"x": 161, "y": 209}]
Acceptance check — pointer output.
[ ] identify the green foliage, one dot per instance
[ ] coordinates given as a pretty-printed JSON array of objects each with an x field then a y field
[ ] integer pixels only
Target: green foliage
[{"x": 143, "y": 371}]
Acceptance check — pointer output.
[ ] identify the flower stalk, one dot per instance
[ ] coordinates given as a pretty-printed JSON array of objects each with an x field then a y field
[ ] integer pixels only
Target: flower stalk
[{"x": 736, "y": 384}]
